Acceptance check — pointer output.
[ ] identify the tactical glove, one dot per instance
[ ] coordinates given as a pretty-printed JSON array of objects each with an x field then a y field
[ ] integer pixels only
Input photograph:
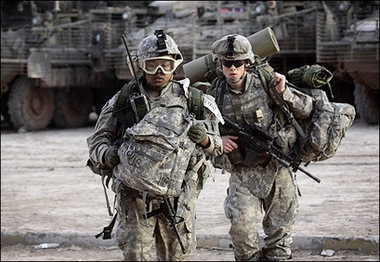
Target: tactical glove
[
  {"x": 111, "y": 158},
  {"x": 197, "y": 133}
]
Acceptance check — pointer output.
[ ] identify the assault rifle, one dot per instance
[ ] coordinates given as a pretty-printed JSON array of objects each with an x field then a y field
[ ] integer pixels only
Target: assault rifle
[
  {"x": 256, "y": 141},
  {"x": 167, "y": 209}
]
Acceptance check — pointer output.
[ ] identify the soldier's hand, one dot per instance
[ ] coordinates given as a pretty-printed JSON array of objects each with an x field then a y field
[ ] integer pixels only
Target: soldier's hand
[
  {"x": 197, "y": 133},
  {"x": 111, "y": 158},
  {"x": 279, "y": 82}
]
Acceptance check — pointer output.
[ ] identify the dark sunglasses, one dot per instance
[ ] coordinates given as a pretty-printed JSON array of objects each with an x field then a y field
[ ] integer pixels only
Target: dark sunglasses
[{"x": 237, "y": 63}]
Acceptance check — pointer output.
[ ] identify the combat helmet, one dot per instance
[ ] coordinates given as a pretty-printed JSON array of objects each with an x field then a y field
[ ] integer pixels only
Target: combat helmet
[
  {"x": 233, "y": 47},
  {"x": 156, "y": 46}
]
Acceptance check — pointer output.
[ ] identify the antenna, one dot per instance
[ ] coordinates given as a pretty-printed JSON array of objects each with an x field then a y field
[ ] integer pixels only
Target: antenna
[{"x": 131, "y": 63}]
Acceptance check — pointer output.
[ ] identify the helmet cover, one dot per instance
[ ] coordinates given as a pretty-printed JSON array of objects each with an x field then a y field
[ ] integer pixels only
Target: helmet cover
[
  {"x": 156, "y": 45},
  {"x": 233, "y": 47}
]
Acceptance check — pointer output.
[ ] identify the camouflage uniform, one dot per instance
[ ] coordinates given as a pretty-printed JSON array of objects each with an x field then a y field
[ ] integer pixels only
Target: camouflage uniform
[
  {"x": 256, "y": 188},
  {"x": 136, "y": 235}
]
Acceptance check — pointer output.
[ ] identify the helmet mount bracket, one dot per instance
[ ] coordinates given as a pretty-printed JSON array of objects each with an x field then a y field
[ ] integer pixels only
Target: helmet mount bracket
[
  {"x": 161, "y": 45},
  {"x": 230, "y": 46}
]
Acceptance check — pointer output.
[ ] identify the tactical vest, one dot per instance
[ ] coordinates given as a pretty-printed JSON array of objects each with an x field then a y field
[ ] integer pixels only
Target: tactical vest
[
  {"x": 249, "y": 108},
  {"x": 131, "y": 106}
]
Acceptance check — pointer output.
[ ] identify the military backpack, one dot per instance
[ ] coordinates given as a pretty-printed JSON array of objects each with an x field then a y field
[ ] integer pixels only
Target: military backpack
[
  {"x": 155, "y": 158},
  {"x": 320, "y": 135}
]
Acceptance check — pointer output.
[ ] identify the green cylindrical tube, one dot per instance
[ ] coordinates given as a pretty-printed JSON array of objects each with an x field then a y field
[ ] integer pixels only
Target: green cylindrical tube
[
  {"x": 264, "y": 43},
  {"x": 196, "y": 69}
]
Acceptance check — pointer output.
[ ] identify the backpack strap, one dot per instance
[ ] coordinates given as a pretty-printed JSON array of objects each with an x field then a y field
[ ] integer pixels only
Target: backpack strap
[
  {"x": 131, "y": 106},
  {"x": 108, "y": 230},
  {"x": 265, "y": 73},
  {"x": 125, "y": 117},
  {"x": 122, "y": 110},
  {"x": 105, "y": 191},
  {"x": 199, "y": 99},
  {"x": 196, "y": 102},
  {"x": 195, "y": 97},
  {"x": 220, "y": 98}
]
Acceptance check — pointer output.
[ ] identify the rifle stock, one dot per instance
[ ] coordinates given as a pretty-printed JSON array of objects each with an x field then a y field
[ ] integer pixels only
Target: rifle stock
[{"x": 259, "y": 141}]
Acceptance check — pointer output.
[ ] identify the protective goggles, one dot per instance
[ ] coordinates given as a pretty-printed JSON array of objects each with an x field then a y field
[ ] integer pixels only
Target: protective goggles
[
  {"x": 167, "y": 65},
  {"x": 236, "y": 63}
]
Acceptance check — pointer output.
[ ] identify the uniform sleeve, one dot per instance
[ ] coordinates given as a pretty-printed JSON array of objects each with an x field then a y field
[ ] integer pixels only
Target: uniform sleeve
[
  {"x": 300, "y": 104},
  {"x": 105, "y": 132}
]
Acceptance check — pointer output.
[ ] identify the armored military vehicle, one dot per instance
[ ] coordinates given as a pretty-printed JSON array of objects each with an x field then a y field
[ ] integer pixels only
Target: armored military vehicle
[
  {"x": 348, "y": 42},
  {"x": 58, "y": 60}
]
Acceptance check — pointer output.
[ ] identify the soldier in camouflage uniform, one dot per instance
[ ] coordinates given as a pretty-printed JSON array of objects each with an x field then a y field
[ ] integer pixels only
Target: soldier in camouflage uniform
[
  {"x": 157, "y": 58},
  {"x": 241, "y": 97}
]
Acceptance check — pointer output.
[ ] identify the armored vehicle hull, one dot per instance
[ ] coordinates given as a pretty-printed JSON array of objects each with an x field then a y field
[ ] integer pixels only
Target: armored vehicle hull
[{"x": 58, "y": 62}]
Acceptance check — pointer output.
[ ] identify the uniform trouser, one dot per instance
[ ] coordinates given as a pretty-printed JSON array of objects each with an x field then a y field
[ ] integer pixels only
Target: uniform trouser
[
  {"x": 245, "y": 211},
  {"x": 137, "y": 236}
]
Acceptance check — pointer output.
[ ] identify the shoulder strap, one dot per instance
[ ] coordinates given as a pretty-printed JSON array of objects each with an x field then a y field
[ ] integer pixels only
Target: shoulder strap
[
  {"x": 265, "y": 73},
  {"x": 128, "y": 113},
  {"x": 195, "y": 97},
  {"x": 219, "y": 96},
  {"x": 196, "y": 102},
  {"x": 123, "y": 95},
  {"x": 108, "y": 230}
]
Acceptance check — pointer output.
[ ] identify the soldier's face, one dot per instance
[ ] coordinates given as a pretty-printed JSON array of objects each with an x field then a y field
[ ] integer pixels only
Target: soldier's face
[
  {"x": 159, "y": 79},
  {"x": 233, "y": 70}
]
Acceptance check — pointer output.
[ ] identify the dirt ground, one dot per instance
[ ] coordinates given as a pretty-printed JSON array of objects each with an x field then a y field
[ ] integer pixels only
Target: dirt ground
[
  {"x": 74, "y": 253},
  {"x": 45, "y": 187}
]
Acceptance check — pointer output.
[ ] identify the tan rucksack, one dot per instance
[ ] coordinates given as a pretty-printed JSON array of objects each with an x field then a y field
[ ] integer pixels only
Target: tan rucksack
[
  {"x": 156, "y": 156},
  {"x": 329, "y": 121}
]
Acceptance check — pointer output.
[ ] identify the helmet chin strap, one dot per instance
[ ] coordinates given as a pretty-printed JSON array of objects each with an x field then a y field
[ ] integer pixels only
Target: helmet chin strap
[
  {"x": 159, "y": 88},
  {"x": 234, "y": 81}
]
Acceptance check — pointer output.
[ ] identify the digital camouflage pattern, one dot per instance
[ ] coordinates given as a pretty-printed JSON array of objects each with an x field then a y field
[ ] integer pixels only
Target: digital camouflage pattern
[
  {"x": 157, "y": 150},
  {"x": 252, "y": 109},
  {"x": 327, "y": 125},
  {"x": 133, "y": 235},
  {"x": 244, "y": 209},
  {"x": 326, "y": 128},
  {"x": 148, "y": 47},
  {"x": 255, "y": 189},
  {"x": 158, "y": 162},
  {"x": 233, "y": 47}
]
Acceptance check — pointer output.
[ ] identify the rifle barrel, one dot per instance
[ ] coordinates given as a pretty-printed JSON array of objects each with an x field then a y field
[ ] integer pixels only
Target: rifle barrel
[{"x": 310, "y": 175}]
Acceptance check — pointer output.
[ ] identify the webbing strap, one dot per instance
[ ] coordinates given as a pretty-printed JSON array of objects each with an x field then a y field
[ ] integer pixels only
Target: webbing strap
[
  {"x": 196, "y": 102},
  {"x": 221, "y": 96},
  {"x": 283, "y": 107},
  {"x": 105, "y": 193},
  {"x": 144, "y": 198},
  {"x": 107, "y": 230}
]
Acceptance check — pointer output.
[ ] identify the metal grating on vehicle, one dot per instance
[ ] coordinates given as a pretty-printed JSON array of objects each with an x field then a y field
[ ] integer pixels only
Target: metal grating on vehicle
[{"x": 347, "y": 36}]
